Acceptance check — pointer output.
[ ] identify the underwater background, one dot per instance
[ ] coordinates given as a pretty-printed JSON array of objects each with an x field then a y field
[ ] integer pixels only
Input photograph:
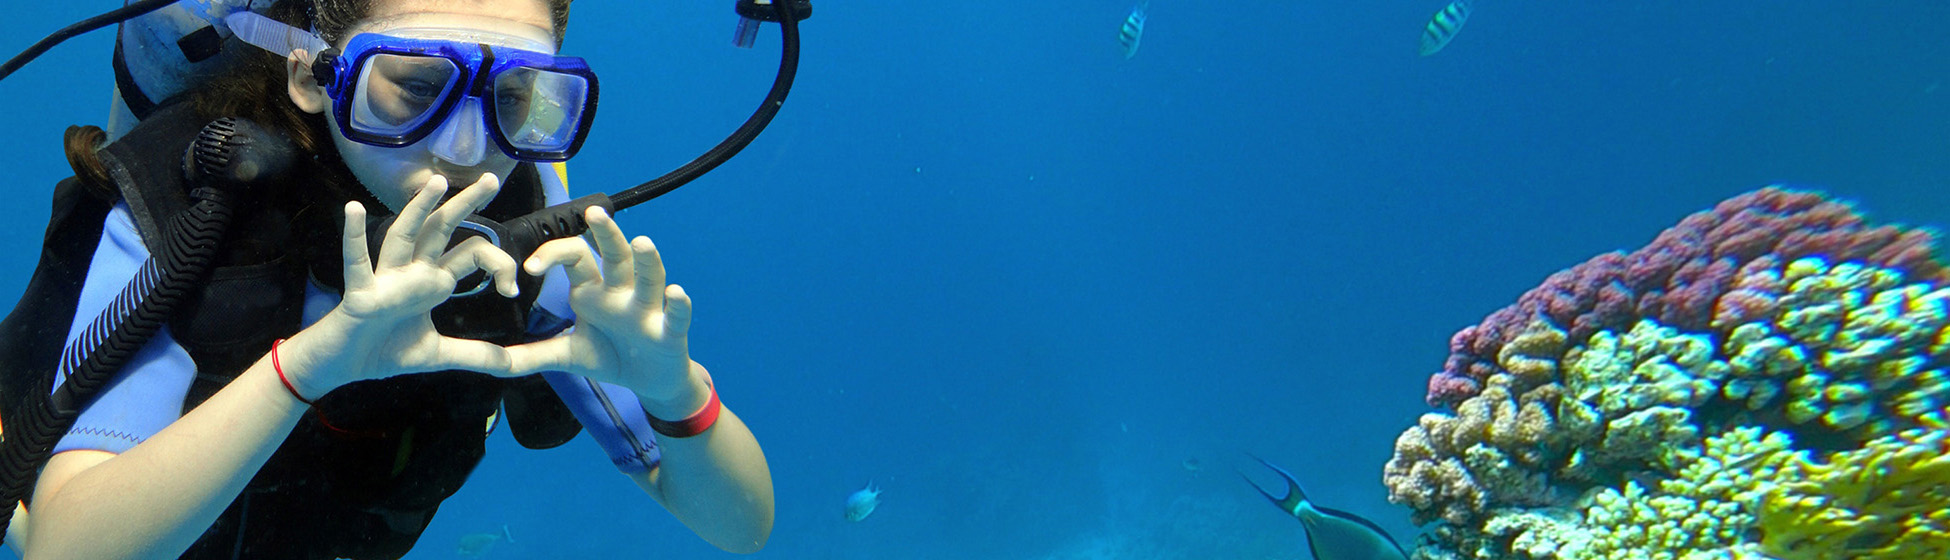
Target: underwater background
[{"x": 1049, "y": 298}]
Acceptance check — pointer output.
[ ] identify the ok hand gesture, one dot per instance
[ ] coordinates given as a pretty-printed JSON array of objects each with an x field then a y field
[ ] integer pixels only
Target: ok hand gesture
[
  {"x": 631, "y": 329},
  {"x": 382, "y": 327}
]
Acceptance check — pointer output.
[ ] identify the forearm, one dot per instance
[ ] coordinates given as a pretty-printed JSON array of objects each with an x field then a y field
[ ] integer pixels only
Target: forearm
[
  {"x": 155, "y": 499},
  {"x": 717, "y": 483}
]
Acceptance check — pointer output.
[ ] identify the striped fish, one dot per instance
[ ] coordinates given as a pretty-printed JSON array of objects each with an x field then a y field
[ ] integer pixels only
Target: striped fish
[
  {"x": 1133, "y": 29},
  {"x": 1444, "y": 26}
]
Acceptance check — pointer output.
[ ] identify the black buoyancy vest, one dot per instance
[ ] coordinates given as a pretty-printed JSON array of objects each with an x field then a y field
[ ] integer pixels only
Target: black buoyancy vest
[{"x": 362, "y": 474}]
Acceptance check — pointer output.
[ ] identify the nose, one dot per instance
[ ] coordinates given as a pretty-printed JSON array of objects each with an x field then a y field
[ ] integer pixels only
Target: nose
[{"x": 461, "y": 140}]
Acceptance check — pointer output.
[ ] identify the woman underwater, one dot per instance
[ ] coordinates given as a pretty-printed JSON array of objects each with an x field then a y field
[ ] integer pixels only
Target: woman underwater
[{"x": 308, "y": 405}]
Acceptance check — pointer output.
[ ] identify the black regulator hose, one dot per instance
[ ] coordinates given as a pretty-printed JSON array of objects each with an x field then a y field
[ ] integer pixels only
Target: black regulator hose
[
  {"x": 227, "y": 157},
  {"x": 113, "y": 17},
  {"x": 520, "y": 237}
]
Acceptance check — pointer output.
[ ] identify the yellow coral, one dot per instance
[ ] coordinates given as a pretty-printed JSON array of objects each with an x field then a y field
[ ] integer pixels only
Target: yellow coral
[
  {"x": 1532, "y": 357},
  {"x": 1889, "y": 500}
]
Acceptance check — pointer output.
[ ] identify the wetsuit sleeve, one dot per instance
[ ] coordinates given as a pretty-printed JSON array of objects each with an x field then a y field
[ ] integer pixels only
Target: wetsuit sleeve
[
  {"x": 611, "y": 413},
  {"x": 148, "y": 393},
  {"x": 614, "y": 417}
]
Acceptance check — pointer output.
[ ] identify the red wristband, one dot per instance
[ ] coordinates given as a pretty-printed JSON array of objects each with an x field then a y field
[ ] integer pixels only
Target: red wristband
[
  {"x": 278, "y": 367},
  {"x": 696, "y": 424}
]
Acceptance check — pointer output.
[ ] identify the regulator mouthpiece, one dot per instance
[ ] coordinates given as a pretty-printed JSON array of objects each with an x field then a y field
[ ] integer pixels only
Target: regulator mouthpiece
[{"x": 234, "y": 152}]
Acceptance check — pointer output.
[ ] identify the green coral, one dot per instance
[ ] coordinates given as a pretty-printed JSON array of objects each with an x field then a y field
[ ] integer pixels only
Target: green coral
[
  {"x": 1704, "y": 510},
  {"x": 1853, "y": 350},
  {"x": 1648, "y": 366},
  {"x": 1889, "y": 500}
]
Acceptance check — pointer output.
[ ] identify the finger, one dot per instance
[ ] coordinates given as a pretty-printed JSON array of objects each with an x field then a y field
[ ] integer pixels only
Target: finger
[
  {"x": 472, "y": 355},
  {"x": 571, "y": 253},
  {"x": 358, "y": 265},
  {"x": 678, "y": 312},
  {"x": 649, "y": 273},
  {"x": 477, "y": 254},
  {"x": 552, "y": 354},
  {"x": 397, "y": 248},
  {"x": 612, "y": 246},
  {"x": 440, "y": 226}
]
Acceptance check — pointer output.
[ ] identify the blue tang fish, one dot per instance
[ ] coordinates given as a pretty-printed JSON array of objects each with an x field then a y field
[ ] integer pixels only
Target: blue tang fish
[
  {"x": 1443, "y": 27},
  {"x": 1331, "y": 534},
  {"x": 1128, "y": 37}
]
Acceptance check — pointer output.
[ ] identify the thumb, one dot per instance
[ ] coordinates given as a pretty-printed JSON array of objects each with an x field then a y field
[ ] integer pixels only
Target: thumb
[
  {"x": 470, "y": 355},
  {"x": 552, "y": 354}
]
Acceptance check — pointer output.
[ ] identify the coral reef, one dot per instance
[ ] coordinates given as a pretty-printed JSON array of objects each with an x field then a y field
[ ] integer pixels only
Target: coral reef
[
  {"x": 1749, "y": 385},
  {"x": 1680, "y": 277}
]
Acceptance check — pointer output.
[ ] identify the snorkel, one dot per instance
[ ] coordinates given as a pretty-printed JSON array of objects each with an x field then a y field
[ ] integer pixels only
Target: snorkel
[{"x": 526, "y": 233}]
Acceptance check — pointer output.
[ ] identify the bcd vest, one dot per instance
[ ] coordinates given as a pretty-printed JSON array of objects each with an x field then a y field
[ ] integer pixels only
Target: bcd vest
[{"x": 364, "y": 471}]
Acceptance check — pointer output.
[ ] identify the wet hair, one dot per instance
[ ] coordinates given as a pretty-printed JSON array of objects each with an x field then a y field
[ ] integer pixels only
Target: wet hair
[{"x": 254, "y": 87}]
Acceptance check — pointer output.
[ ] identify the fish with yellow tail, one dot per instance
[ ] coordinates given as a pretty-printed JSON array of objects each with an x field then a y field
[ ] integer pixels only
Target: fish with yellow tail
[
  {"x": 1331, "y": 534},
  {"x": 860, "y": 504},
  {"x": 1443, "y": 27},
  {"x": 1127, "y": 38}
]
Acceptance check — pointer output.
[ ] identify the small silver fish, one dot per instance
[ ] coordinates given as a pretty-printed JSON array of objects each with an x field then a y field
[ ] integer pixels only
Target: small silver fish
[
  {"x": 861, "y": 503},
  {"x": 1444, "y": 25},
  {"x": 1128, "y": 37},
  {"x": 1331, "y": 534}
]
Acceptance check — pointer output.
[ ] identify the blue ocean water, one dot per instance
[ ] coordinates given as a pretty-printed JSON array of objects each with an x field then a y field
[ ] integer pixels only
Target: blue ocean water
[{"x": 1049, "y": 298}]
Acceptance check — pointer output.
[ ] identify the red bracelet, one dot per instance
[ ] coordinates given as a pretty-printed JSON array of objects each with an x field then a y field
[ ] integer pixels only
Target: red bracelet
[
  {"x": 696, "y": 424},
  {"x": 278, "y": 367}
]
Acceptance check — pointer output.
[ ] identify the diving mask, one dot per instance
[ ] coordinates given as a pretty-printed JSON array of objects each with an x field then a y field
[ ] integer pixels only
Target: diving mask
[{"x": 395, "y": 89}]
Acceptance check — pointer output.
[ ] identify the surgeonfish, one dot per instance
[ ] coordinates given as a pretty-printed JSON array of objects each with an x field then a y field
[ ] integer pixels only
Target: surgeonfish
[
  {"x": 1133, "y": 29},
  {"x": 1443, "y": 27},
  {"x": 860, "y": 504},
  {"x": 1331, "y": 534}
]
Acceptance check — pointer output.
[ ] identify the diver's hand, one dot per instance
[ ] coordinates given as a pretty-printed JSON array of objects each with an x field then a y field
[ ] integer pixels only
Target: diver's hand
[
  {"x": 382, "y": 327},
  {"x": 631, "y": 329}
]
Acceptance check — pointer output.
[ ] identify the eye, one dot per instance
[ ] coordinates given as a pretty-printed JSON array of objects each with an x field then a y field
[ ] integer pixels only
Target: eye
[
  {"x": 515, "y": 98},
  {"x": 420, "y": 88}
]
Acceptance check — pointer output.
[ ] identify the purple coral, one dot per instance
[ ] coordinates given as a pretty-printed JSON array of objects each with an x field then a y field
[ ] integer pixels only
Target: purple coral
[
  {"x": 1698, "y": 275},
  {"x": 1446, "y": 387}
]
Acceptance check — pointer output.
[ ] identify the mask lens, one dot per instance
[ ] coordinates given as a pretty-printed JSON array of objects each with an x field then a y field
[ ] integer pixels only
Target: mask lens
[
  {"x": 539, "y": 110},
  {"x": 398, "y": 93}
]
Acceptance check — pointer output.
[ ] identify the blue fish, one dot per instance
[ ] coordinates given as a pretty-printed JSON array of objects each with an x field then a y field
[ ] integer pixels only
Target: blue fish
[
  {"x": 861, "y": 503},
  {"x": 1133, "y": 29},
  {"x": 1331, "y": 534},
  {"x": 1443, "y": 27}
]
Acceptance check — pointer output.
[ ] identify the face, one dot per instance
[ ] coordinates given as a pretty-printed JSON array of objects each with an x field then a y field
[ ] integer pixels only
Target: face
[{"x": 460, "y": 150}]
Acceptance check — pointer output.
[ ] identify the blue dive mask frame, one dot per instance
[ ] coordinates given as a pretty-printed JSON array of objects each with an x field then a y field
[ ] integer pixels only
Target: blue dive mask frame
[{"x": 477, "y": 65}]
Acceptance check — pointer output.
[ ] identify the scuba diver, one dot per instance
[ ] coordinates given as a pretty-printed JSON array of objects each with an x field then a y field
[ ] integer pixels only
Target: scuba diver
[{"x": 327, "y": 370}]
